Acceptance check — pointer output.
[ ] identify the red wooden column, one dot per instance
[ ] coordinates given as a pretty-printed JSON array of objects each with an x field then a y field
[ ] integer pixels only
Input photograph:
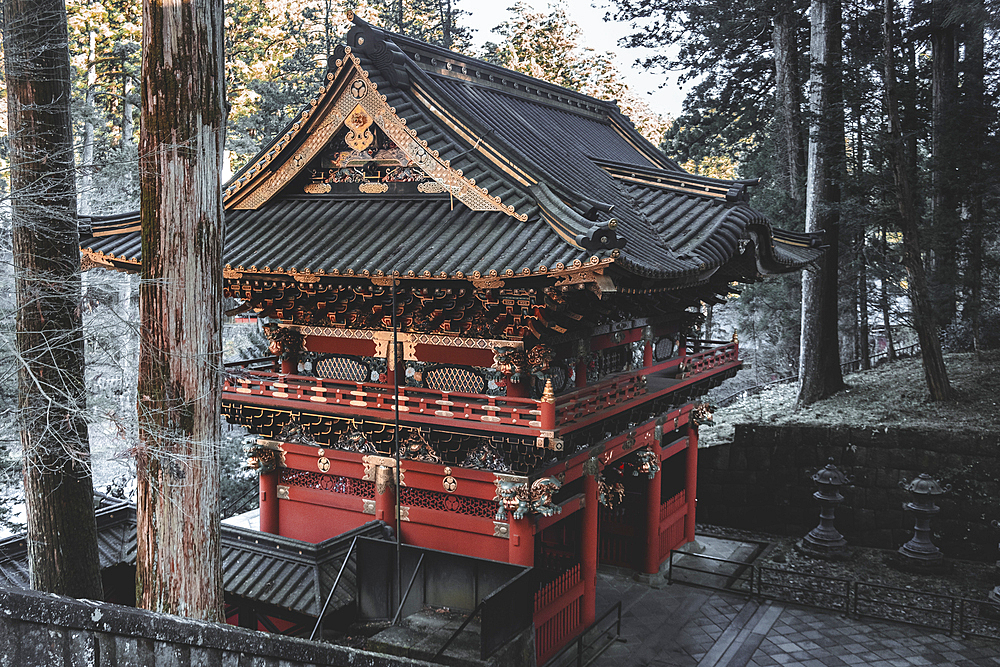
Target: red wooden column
[
  {"x": 581, "y": 373},
  {"x": 385, "y": 496},
  {"x": 651, "y": 562},
  {"x": 519, "y": 389},
  {"x": 269, "y": 502},
  {"x": 589, "y": 543},
  {"x": 521, "y": 541},
  {"x": 691, "y": 481}
]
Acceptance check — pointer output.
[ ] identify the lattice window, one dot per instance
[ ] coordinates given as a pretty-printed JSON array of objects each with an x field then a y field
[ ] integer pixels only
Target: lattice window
[
  {"x": 663, "y": 348},
  {"x": 613, "y": 360},
  {"x": 463, "y": 379},
  {"x": 342, "y": 367},
  {"x": 447, "y": 502},
  {"x": 335, "y": 483}
]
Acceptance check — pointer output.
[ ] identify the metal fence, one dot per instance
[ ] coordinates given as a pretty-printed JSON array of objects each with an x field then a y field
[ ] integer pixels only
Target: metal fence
[{"x": 954, "y": 615}]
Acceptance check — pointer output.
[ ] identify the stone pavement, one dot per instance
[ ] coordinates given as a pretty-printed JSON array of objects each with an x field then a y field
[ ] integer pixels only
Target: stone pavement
[{"x": 685, "y": 626}]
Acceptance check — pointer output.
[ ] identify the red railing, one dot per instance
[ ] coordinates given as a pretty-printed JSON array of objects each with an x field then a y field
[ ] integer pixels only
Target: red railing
[
  {"x": 583, "y": 402},
  {"x": 558, "y": 614},
  {"x": 672, "y": 515},
  {"x": 514, "y": 415},
  {"x": 517, "y": 412},
  {"x": 713, "y": 357}
]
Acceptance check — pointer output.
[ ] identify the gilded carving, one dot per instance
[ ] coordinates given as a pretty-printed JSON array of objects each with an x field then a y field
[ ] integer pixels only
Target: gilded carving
[
  {"x": 519, "y": 499},
  {"x": 501, "y": 529},
  {"x": 449, "y": 483},
  {"x": 358, "y": 121},
  {"x": 323, "y": 464},
  {"x": 282, "y": 492},
  {"x": 317, "y": 188},
  {"x": 373, "y": 188},
  {"x": 367, "y": 506}
]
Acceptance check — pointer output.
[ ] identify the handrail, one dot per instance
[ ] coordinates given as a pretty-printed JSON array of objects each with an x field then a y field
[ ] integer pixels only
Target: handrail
[
  {"x": 409, "y": 587},
  {"x": 954, "y": 615},
  {"x": 319, "y": 619},
  {"x": 578, "y": 641},
  {"x": 511, "y": 414},
  {"x": 468, "y": 618}
]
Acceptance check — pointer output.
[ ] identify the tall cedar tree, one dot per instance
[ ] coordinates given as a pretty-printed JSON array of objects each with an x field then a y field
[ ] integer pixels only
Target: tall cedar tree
[
  {"x": 181, "y": 143},
  {"x": 819, "y": 346},
  {"x": 903, "y": 173},
  {"x": 59, "y": 492}
]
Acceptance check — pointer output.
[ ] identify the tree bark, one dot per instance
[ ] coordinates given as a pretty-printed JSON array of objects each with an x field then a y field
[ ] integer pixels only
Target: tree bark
[
  {"x": 59, "y": 492},
  {"x": 819, "y": 349},
  {"x": 787, "y": 99},
  {"x": 890, "y": 349},
  {"x": 976, "y": 140},
  {"x": 923, "y": 319},
  {"x": 181, "y": 148},
  {"x": 87, "y": 152},
  {"x": 944, "y": 139}
]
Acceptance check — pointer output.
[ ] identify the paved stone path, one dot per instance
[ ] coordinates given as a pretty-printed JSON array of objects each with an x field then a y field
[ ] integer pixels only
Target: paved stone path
[{"x": 685, "y": 626}]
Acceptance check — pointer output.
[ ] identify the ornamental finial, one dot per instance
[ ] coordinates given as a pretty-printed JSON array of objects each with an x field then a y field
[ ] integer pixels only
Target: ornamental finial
[{"x": 549, "y": 394}]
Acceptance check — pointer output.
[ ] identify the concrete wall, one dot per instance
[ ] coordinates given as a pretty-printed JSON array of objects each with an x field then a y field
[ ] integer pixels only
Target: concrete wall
[
  {"x": 762, "y": 482},
  {"x": 50, "y": 631}
]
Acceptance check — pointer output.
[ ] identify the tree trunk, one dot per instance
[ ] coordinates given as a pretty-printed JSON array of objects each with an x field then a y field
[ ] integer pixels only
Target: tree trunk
[
  {"x": 864, "y": 328},
  {"x": 976, "y": 140},
  {"x": 890, "y": 349},
  {"x": 787, "y": 100},
  {"x": 59, "y": 491},
  {"x": 819, "y": 349},
  {"x": 923, "y": 319},
  {"x": 182, "y": 135},
  {"x": 944, "y": 139},
  {"x": 87, "y": 152}
]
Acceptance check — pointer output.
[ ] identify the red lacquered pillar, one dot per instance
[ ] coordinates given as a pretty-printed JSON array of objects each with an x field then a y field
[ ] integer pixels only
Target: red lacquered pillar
[
  {"x": 588, "y": 545},
  {"x": 290, "y": 366},
  {"x": 647, "y": 353},
  {"x": 691, "y": 480},
  {"x": 521, "y": 541},
  {"x": 581, "y": 373},
  {"x": 520, "y": 389},
  {"x": 651, "y": 563},
  {"x": 269, "y": 502},
  {"x": 385, "y": 496}
]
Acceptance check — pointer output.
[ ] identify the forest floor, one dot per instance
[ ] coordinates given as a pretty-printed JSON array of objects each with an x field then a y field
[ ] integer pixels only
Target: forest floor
[{"x": 894, "y": 394}]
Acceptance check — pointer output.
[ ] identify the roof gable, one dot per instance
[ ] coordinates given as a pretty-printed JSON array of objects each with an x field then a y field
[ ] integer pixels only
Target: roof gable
[{"x": 344, "y": 119}]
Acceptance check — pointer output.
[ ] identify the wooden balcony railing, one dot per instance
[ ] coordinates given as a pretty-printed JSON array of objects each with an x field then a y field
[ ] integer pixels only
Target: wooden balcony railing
[{"x": 522, "y": 416}]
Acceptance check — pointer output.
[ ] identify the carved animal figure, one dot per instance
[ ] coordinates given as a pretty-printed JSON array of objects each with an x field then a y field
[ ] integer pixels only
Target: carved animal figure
[{"x": 511, "y": 362}]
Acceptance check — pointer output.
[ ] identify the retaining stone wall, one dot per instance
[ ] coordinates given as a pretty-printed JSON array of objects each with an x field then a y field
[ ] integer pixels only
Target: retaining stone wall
[
  {"x": 761, "y": 481},
  {"x": 43, "y": 630}
]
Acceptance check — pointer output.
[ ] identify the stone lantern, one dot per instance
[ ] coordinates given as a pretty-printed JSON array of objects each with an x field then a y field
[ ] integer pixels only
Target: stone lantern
[
  {"x": 920, "y": 552},
  {"x": 824, "y": 541}
]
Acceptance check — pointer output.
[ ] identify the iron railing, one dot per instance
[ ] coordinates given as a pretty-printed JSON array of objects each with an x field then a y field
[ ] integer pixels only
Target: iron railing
[{"x": 952, "y": 614}]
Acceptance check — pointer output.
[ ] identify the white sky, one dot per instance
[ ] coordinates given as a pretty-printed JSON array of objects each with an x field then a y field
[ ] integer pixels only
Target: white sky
[{"x": 484, "y": 15}]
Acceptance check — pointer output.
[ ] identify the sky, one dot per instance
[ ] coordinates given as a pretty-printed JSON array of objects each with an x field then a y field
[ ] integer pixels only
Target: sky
[{"x": 484, "y": 15}]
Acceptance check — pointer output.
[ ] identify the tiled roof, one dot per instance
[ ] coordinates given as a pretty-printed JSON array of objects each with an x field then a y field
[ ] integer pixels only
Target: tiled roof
[
  {"x": 270, "y": 569},
  {"x": 567, "y": 175}
]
